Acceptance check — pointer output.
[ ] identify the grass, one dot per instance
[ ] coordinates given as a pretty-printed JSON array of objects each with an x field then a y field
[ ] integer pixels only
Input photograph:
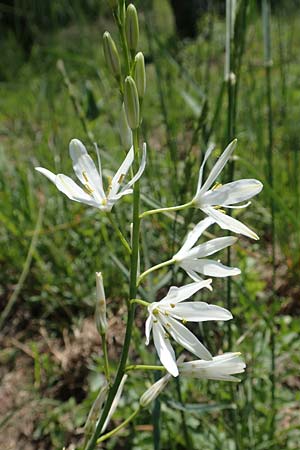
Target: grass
[{"x": 49, "y": 328}]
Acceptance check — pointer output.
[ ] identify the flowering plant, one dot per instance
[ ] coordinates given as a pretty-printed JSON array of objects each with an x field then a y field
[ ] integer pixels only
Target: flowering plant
[{"x": 167, "y": 317}]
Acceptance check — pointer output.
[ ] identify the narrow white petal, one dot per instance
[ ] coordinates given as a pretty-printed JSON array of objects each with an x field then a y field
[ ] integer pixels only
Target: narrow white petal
[
  {"x": 211, "y": 247},
  {"x": 231, "y": 193},
  {"x": 206, "y": 156},
  {"x": 185, "y": 337},
  {"x": 179, "y": 294},
  {"x": 192, "y": 274},
  {"x": 148, "y": 328},
  {"x": 193, "y": 237},
  {"x": 68, "y": 187},
  {"x": 164, "y": 349},
  {"x": 50, "y": 175},
  {"x": 85, "y": 169},
  {"x": 199, "y": 312},
  {"x": 141, "y": 168},
  {"x": 229, "y": 223},
  {"x": 220, "y": 368},
  {"x": 114, "y": 403},
  {"x": 218, "y": 167},
  {"x": 121, "y": 173},
  {"x": 210, "y": 268}
]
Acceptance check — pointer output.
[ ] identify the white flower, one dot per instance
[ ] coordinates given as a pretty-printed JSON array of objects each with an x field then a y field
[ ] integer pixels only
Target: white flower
[
  {"x": 91, "y": 178},
  {"x": 166, "y": 317},
  {"x": 221, "y": 367},
  {"x": 194, "y": 261},
  {"x": 225, "y": 196}
]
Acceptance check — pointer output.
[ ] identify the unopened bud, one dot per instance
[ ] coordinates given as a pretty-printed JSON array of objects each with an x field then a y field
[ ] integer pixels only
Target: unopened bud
[
  {"x": 131, "y": 103},
  {"x": 111, "y": 54},
  {"x": 125, "y": 131},
  {"x": 154, "y": 391},
  {"x": 132, "y": 27},
  {"x": 100, "y": 314},
  {"x": 140, "y": 74}
]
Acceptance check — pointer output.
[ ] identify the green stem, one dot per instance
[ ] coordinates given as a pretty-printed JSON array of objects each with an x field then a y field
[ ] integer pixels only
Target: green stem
[
  {"x": 152, "y": 269},
  {"x": 119, "y": 427},
  {"x": 119, "y": 232},
  {"x": 139, "y": 301},
  {"x": 105, "y": 356},
  {"x": 131, "y": 306},
  {"x": 163, "y": 210},
  {"x": 144, "y": 367}
]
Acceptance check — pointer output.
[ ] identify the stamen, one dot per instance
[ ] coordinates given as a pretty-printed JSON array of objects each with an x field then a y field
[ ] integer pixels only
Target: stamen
[
  {"x": 216, "y": 186},
  {"x": 122, "y": 176}
]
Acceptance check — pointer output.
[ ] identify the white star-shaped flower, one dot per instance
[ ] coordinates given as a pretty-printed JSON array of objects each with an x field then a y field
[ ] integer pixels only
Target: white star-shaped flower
[
  {"x": 193, "y": 259},
  {"x": 93, "y": 193},
  {"x": 167, "y": 317},
  {"x": 225, "y": 196}
]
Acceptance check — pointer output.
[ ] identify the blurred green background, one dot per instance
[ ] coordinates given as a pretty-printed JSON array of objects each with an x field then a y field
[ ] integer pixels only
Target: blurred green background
[{"x": 54, "y": 86}]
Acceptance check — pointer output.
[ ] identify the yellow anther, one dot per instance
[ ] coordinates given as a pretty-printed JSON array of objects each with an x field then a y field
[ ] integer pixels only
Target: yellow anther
[
  {"x": 88, "y": 188},
  {"x": 155, "y": 312},
  {"x": 220, "y": 209},
  {"x": 85, "y": 176},
  {"x": 122, "y": 176},
  {"x": 184, "y": 321},
  {"x": 172, "y": 305},
  {"x": 104, "y": 202},
  {"x": 216, "y": 186}
]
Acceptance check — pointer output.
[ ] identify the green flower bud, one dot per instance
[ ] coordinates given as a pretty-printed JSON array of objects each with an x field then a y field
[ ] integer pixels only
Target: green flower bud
[
  {"x": 100, "y": 314},
  {"x": 125, "y": 131},
  {"x": 131, "y": 103},
  {"x": 132, "y": 27},
  {"x": 153, "y": 392},
  {"x": 111, "y": 54},
  {"x": 140, "y": 74}
]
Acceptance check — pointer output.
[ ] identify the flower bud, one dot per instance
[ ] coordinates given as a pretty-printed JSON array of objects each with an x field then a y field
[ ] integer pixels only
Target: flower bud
[
  {"x": 100, "y": 314},
  {"x": 125, "y": 131},
  {"x": 154, "y": 391},
  {"x": 131, "y": 103},
  {"x": 132, "y": 27},
  {"x": 111, "y": 54},
  {"x": 140, "y": 74}
]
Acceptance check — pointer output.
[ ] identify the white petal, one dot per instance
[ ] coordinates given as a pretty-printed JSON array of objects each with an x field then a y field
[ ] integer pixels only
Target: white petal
[
  {"x": 220, "y": 368},
  {"x": 185, "y": 337},
  {"x": 210, "y": 268},
  {"x": 206, "y": 156},
  {"x": 164, "y": 349},
  {"x": 141, "y": 168},
  {"x": 229, "y": 223},
  {"x": 218, "y": 167},
  {"x": 211, "y": 247},
  {"x": 179, "y": 294},
  {"x": 121, "y": 173},
  {"x": 192, "y": 274},
  {"x": 193, "y": 236},
  {"x": 85, "y": 169},
  {"x": 231, "y": 193},
  {"x": 114, "y": 403},
  {"x": 50, "y": 175},
  {"x": 148, "y": 328},
  {"x": 199, "y": 312},
  {"x": 73, "y": 191}
]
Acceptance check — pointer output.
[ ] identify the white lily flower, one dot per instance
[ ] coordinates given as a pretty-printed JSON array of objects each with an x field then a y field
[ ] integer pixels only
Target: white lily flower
[
  {"x": 225, "y": 196},
  {"x": 166, "y": 319},
  {"x": 221, "y": 367},
  {"x": 93, "y": 193},
  {"x": 193, "y": 259}
]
